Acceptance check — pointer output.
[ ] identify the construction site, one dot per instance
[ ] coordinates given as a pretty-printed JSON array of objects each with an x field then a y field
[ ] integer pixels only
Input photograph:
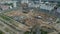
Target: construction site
[
  {"x": 35, "y": 19},
  {"x": 30, "y": 17}
]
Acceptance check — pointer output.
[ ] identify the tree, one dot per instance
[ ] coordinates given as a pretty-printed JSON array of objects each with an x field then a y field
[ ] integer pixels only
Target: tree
[
  {"x": 1, "y": 32},
  {"x": 43, "y": 32}
]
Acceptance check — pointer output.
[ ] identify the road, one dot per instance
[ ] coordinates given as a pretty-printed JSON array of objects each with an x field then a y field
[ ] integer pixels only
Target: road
[{"x": 14, "y": 23}]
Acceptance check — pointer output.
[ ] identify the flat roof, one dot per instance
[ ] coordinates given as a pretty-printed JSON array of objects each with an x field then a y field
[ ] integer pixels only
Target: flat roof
[
  {"x": 8, "y": 2},
  {"x": 46, "y": 7},
  {"x": 58, "y": 10},
  {"x": 52, "y": 0}
]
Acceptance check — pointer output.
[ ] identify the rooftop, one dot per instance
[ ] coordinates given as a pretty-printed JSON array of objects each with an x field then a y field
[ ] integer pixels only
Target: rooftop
[
  {"x": 47, "y": 7},
  {"x": 52, "y": 0}
]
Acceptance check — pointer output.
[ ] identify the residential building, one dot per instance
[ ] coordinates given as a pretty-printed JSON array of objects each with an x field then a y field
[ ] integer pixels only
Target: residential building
[
  {"x": 50, "y": 0},
  {"x": 58, "y": 10},
  {"x": 47, "y": 7},
  {"x": 4, "y": 7},
  {"x": 24, "y": 1}
]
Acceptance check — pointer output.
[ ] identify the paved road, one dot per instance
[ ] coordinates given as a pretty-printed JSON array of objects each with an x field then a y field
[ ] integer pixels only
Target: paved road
[
  {"x": 12, "y": 24},
  {"x": 5, "y": 25},
  {"x": 15, "y": 24}
]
